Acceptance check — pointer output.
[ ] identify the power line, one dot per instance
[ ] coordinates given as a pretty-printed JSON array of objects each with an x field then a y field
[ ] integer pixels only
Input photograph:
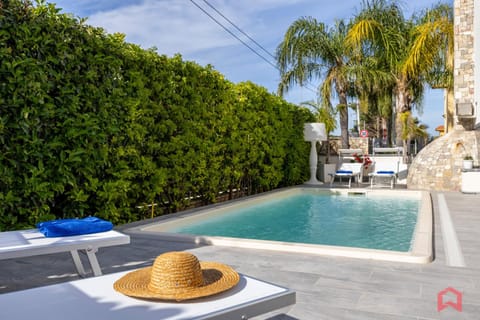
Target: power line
[
  {"x": 240, "y": 30},
  {"x": 239, "y": 39},
  {"x": 233, "y": 34}
]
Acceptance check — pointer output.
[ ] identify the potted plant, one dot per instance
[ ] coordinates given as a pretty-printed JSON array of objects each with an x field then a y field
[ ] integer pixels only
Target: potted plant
[
  {"x": 365, "y": 159},
  {"x": 467, "y": 162}
]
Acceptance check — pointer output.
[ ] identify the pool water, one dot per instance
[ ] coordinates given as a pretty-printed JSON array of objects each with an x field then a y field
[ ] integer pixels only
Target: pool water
[{"x": 374, "y": 222}]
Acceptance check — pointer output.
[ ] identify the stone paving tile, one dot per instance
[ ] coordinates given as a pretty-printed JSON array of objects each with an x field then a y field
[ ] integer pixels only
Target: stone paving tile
[
  {"x": 299, "y": 281},
  {"x": 442, "y": 280},
  {"x": 314, "y": 308},
  {"x": 391, "y": 286},
  {"x": 402, "y": 306},
  {"x": 470, "y": 296}
]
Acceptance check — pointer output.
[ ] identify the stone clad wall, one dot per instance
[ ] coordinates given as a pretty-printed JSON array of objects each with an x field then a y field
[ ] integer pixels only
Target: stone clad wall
[
  {"x": 439, "y": 165},
  {"x": 359, "y": 143},
  {"x": 464, "y": 83}
]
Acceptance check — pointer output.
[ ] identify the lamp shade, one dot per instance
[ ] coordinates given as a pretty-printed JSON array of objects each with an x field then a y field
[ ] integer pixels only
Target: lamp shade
[{"x": 314, "y": 131}]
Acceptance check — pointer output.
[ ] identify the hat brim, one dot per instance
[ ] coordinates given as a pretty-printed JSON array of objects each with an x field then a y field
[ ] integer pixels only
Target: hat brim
[{"x": 217, "y": 278}]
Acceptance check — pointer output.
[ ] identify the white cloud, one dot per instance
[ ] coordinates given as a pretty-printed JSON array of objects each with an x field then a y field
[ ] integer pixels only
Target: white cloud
[
  {"x": 172, "y": 26},
  {"x": 178, "y": 26}
]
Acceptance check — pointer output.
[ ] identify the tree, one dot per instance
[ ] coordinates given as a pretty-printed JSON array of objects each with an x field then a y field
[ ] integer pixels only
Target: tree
[
  {"x": 311, "y": 50},
  {"x": 412, "y": 129},
  {"x": 431, "y": 54},
  {"x": 372, "y": 85},
  {"x": 381, "y": 31}
]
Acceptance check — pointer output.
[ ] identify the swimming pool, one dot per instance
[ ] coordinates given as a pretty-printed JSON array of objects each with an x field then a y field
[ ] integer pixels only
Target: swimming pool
[{"x": 336, "y": 222}]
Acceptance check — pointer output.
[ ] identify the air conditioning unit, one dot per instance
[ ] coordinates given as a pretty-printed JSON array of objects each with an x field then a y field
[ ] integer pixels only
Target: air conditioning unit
[{"x": 465, "y": 110}]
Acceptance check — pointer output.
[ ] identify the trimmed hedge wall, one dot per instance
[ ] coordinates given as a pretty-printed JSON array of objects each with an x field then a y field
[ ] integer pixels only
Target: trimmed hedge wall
[{"x": 92, "y": 125}]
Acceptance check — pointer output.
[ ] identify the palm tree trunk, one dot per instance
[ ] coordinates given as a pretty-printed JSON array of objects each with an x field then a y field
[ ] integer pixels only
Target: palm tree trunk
[
  {"x": 401, "y": 106},
  {"x": 398, "y": 130},
  {"x": 343, "y": 110},
  {"x": 406, "y": 148},
  {"x": 449, "y": 111}
]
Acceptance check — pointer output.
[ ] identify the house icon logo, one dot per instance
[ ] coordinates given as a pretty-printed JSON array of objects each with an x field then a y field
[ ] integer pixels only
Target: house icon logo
[{"x": 443, "y": 300}]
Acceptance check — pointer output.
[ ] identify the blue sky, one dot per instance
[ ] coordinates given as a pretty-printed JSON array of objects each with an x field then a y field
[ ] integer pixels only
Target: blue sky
[{"x": 178, "y": 26}]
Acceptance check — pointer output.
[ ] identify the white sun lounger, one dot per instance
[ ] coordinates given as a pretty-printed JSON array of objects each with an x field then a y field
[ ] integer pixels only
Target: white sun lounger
[
  {"x": 386, "y": 170},
  {"x": 349, "y": 171},
  {"x": 95, "y": 299},
  {"x": 25, "y": 243}
]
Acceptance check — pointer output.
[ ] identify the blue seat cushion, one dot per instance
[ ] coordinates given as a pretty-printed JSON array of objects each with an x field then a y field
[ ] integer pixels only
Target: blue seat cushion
[
  {"x": 344, "y": 172},
  {"x": 73, "y": 227},
  {"x": 385, "y": 172}
]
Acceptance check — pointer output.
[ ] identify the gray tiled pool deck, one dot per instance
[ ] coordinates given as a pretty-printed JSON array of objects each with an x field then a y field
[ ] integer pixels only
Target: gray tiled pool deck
[{"x": 326, "y": 287}]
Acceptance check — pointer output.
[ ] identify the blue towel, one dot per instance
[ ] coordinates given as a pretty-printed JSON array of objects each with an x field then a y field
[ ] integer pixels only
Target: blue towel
[
  {"x": 385, "y": 172},
  {"x": 344, "y": 172},
  {"x": 73, "y": 227}
]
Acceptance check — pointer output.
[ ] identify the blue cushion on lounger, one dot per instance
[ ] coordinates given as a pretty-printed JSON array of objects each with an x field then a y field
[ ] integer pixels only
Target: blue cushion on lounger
[
  {"x": 385, "y": 172},
  {"x": 73, "y": 227},
  {"x": 344, "y": 171}
]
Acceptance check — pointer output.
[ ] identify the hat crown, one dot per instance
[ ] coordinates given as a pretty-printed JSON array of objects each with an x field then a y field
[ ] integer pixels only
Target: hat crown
[{"x": 175, "y": 270}]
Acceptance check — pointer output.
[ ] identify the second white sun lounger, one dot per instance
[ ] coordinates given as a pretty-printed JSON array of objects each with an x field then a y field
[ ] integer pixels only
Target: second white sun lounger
[{"x": 384, "y": 170}]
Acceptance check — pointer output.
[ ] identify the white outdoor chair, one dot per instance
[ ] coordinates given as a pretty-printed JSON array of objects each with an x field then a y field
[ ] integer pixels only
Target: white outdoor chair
[{"x": 386, "y": 171}]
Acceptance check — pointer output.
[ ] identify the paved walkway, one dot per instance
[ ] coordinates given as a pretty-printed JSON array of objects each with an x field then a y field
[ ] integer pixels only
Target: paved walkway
[{"x": 327, "y": 287}]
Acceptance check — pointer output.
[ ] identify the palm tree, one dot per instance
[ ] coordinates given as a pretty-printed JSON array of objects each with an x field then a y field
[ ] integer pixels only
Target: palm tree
[
  {"x": 376, "y": 109},
  {"x": 412, "y": 128},
  {"x": 322, "y": 114},
  {"x": 381, "y": 31},
  {"x": 311, "y": 50},
  {"x": 431, "y": 54},
  {"x": 373, "y": 87}
]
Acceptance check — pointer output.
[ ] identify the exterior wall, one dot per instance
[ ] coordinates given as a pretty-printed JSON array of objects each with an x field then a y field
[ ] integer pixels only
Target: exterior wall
[
  {"x": 449, "y": 112},
  {"x": 355, "y": 143},
  {"x": 359, "y": 143},
  {"x": 476, "y": 59},
  {"x": 438, "y": 166},
  {"x": 464, "y": 79}
]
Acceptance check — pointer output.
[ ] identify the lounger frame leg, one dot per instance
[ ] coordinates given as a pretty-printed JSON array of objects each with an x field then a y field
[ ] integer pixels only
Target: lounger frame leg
[
  {"x": 97, "y": 271},
  {"x": 92, "y": 258},
  {"x": 332, "y": 179},
  {"x": 78, "y": 263}
]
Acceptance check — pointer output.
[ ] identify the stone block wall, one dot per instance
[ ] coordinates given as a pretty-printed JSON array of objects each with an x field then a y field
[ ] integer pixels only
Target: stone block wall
[
  {"x": 359, "y": 143},
  {"x": 464, "y": 78},
  {"x": 439, "y": 165}
]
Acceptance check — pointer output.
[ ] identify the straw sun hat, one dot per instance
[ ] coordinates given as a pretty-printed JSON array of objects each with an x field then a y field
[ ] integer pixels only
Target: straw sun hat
[{"x": 177, "y": 276}]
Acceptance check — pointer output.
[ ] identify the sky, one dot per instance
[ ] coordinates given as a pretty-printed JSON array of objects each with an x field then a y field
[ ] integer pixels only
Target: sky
[{"x": 181, "y": 27}]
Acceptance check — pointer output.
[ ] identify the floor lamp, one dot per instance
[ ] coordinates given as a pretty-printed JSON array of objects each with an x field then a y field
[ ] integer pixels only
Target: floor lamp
[{"x": 314, "y": 132}]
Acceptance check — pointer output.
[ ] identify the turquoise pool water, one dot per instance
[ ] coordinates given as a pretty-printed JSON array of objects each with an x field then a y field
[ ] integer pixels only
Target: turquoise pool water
[{"x": 374, "y": 222}]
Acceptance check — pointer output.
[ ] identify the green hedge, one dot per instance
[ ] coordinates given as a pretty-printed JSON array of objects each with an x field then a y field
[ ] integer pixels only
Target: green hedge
[{"x": 92, "y": 125}]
